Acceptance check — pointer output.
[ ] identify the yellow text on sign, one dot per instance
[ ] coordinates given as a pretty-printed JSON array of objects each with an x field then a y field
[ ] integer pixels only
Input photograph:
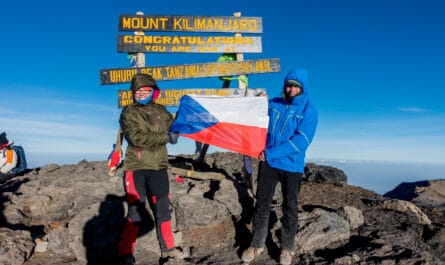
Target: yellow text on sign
[
  {"x": 190, "y": 24},
  {"x": 171, "y": 97},
  {"x": 116, "y": 76}
]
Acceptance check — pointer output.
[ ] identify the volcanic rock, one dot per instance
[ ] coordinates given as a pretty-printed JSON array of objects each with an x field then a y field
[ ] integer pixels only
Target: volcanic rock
[{"x": 74, "y": 214}]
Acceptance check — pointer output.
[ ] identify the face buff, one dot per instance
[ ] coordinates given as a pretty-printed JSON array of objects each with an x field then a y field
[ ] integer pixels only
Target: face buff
[{"x": 146, "y": 100}]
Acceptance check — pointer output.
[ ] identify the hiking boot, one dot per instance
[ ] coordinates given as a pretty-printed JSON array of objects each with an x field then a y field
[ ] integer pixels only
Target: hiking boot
[
  {"x": 175, "y": 253},
  {"x": 286, "y": 257},
  {"x": 250, "y": 253},
  {"x": 126, "y": 260}
]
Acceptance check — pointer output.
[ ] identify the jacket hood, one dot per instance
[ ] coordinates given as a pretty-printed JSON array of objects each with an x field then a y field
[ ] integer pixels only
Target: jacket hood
[
  {"x": 140, "y": 80},
  {"x": 299, "y": 75}
]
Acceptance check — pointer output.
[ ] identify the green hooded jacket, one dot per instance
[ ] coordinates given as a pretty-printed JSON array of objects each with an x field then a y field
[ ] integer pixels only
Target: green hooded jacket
[{"x": 145, "y": 128}]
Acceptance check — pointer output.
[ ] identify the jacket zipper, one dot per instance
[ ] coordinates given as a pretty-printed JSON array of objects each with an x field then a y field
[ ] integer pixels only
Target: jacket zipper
[
  {"x": 155, "y": 123},
  {"x": 154, "y": 120}
]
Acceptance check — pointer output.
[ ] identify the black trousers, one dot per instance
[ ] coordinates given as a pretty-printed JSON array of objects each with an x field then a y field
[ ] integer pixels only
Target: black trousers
[{"x": 290, "y": 186}]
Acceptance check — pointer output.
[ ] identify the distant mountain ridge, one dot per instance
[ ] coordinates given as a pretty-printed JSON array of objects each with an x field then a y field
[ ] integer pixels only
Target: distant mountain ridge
[{"x": 424, "y": 193}]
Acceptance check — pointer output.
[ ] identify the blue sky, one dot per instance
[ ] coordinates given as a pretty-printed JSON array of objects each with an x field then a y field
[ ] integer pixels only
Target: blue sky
[{"x": 376, "y": 70}]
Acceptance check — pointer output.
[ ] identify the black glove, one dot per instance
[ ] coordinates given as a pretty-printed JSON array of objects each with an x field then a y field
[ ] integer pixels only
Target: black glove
[{"x": 172, "y": 137}]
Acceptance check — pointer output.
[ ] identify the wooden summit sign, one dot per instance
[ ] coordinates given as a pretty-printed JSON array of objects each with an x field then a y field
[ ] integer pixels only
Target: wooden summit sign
[
  {"x": 194, "y": 44},
  {"x": 191, "y": 23},
  {"x": 172, "y": 42},
  {"x": 186, "y": 71}
]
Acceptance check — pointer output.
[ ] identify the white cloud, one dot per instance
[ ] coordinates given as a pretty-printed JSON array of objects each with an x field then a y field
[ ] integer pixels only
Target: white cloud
[
  {"x": 420, "y": 139},
  {"x": 414, "y": 109},
  {"x": 57, "y": 136},
  {"x": 78, "y": 105}
]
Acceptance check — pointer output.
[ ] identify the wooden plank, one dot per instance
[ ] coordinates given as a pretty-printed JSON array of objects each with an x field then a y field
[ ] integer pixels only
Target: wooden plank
[
  {"x": 170, "y": 97},
  {"x": 191, "y": 23},
  {"x": 190, "y": 173},
  {"x": 188, "y": 44},
  {"x": 187, "y": 71}
]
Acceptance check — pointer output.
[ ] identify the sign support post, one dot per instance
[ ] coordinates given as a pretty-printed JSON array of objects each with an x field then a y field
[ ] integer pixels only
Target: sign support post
[
  {"x": 140, "y": 56},
  {"x": 240, "y": 57}
]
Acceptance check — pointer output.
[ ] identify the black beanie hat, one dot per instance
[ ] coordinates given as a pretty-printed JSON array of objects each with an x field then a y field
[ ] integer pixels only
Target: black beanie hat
[
  {"x": 3, "y": 139},
  {"x": 294, "y": 83}
]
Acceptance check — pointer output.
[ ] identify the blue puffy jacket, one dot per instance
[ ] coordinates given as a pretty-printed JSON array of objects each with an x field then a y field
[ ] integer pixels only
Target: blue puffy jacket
[{"x": 292, "y": 127}]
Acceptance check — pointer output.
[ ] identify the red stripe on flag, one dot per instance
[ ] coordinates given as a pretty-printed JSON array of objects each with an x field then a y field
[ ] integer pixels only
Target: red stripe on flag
[{"x": 243, "y": 139}]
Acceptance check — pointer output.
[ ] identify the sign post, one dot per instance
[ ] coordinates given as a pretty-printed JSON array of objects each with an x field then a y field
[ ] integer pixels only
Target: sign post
[
  {"x": 140, "y": 56},
  {"x": 141, "y": 43}
]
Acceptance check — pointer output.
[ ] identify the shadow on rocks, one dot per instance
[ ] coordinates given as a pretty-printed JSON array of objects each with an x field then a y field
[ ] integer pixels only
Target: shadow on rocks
[
  {"x": 8, "y": 186},
  {"x": 102, "y": 233},
  {"x": 244, "y": 225}
]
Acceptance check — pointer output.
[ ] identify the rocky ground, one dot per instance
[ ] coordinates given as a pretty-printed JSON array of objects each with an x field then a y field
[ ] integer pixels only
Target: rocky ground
[{"x": 73, "y": 214}]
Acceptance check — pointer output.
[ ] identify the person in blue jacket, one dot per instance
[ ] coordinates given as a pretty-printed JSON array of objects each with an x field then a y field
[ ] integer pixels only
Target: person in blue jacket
[{"x": 292, "y": 125}]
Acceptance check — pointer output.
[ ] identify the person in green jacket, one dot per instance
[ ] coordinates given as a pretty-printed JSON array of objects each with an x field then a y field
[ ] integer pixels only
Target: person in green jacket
[{"x": 146, "y": 126}]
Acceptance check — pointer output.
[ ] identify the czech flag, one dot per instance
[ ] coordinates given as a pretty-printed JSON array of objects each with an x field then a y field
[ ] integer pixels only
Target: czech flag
[{"x": 237, "y": 124}]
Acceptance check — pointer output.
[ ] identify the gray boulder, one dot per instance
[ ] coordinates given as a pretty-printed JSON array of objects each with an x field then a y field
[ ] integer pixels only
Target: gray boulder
[{"x": 15, "y": 246}]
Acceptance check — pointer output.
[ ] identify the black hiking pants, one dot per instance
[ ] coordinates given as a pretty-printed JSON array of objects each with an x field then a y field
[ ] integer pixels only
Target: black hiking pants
[{"x": 290, "y": 186}]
